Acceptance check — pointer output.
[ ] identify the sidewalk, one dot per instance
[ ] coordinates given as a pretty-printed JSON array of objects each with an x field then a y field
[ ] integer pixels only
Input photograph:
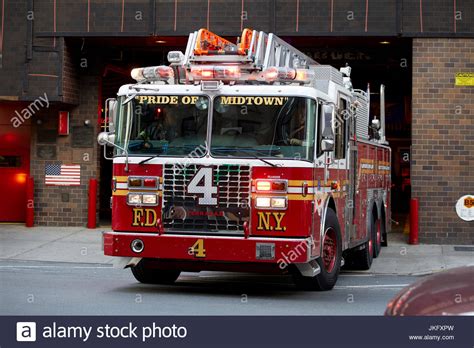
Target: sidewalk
[{"x": 81, "y": 245}]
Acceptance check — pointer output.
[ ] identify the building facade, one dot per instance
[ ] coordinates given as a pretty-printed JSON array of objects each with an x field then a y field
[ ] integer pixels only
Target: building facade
[{"x": 70, "y": 55}]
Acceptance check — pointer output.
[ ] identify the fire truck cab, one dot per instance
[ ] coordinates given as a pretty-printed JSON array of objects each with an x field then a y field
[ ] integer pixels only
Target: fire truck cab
[{"x": 246, "y": 157}]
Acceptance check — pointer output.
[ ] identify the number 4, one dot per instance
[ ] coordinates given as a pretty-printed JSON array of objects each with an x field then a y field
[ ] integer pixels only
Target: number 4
[
  {"x": 206, "y": 189},
  {"x": 198, "y": 249}
]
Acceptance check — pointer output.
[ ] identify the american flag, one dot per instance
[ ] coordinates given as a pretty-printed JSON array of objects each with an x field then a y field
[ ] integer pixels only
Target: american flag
[{"x": 62, "y": 175}]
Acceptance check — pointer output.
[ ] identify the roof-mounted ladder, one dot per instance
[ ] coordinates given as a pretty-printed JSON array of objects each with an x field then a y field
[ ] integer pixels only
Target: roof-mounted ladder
[{"x": 255, "y": 49}]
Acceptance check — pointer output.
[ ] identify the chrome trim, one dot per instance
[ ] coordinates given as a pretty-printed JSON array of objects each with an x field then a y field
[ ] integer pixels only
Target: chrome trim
[{"x": 310, "y": 269}]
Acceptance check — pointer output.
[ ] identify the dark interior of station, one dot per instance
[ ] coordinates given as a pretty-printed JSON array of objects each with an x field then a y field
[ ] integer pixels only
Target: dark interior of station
[{"x": 374, "y": 61}]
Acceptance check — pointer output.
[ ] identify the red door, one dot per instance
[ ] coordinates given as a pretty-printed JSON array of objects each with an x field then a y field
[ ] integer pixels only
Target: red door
[{"x": 14, "y": 164}]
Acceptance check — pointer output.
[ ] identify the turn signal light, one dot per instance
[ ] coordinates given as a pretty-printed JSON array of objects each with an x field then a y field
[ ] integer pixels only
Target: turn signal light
[
  {"x": 149, "y": 182},
  {"x": 134, "y": 182},
  {"x": 263, "y": 185}
]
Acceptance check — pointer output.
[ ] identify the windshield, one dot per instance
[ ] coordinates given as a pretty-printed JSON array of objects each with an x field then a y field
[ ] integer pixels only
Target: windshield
[
  {"x": 248, "y": 126},
  {"x": 163, "y": 125}
]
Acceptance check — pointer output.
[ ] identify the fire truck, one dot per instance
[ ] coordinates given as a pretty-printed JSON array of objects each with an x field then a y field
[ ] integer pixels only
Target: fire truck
[{"x": 247, "y": 157}]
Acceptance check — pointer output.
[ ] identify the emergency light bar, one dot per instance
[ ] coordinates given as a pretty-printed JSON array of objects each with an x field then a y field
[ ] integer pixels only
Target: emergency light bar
[
  {"x": 211, "y": 72},
  {"x": 286, "y": 74},
  {"x": 152, "y": 73}
]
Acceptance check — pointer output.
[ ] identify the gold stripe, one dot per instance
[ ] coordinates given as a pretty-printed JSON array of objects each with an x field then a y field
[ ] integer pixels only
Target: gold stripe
[
  {"x": 121, "y": 178},
  {"x": 300, "y": 182},
  {"x": 125, "y": 192},
  {"x": 120, "y": 193}
]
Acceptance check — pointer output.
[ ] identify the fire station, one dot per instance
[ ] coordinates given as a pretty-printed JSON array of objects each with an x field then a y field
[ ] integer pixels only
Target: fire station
[{"x": 61, "y": 60}]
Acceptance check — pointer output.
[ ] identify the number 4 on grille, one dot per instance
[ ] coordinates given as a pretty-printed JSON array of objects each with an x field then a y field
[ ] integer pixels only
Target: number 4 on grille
[{"x": 202, "y": 183}]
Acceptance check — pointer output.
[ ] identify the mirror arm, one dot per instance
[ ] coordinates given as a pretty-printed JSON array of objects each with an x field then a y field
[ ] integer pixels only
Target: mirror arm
[{"x": 120, "y": 148}]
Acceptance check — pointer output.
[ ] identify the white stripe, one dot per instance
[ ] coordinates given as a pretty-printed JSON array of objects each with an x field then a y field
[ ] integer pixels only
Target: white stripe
[
  {"x": 371, "y": 286},
  {"x": 122, "y": 185}
]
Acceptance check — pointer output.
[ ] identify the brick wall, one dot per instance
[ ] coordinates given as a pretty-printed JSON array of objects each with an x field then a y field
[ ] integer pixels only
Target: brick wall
[
  {"x": 443, "y": 137},
  {"x": 65, "y": 206}
]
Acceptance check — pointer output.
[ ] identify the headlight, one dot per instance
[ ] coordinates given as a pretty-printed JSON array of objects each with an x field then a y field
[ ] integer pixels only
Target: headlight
[
  {"x": 271, "y": 202},
  {"x": 262, "y": 202},
  {"x": 149, "y": 199},
  {"x": 278, "y": 202},
  {"x": 134, "y": 198}
]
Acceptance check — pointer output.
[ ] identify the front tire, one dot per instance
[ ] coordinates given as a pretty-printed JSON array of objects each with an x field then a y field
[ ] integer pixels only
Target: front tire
[
  {"x": 330, "y": 260},
  {"x": 144, "y": 273}
]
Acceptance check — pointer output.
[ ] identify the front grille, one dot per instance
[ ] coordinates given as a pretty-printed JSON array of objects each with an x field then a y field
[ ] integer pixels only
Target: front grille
[{"x": 182, "y": 213}]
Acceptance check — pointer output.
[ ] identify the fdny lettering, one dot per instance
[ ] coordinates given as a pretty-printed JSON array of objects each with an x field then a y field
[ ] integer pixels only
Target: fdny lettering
[
  {"x": 165, "y": 99},
  {"x": 253, "y": 100},
  {"x": 265, "y": 220},
  {"x": 144, "y": 217}
]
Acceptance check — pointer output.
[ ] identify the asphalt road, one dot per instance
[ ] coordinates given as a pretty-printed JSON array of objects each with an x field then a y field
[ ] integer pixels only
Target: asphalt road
[{"x": 51, "y": 288}]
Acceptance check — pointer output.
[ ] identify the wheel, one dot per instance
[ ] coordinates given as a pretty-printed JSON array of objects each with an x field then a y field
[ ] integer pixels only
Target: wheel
[
  {"x": 360, "y": 259},
  {"x": 148, "y": 275},
  {"x": 376, "y": 231},
  {"x": 330, "y": 260}
]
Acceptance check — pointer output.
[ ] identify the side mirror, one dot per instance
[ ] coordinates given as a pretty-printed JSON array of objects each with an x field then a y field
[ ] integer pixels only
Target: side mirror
[
  {"x": 376, "y": 124},
  {"x": 105, "y": 138},
  {"x": 111, "y": 110},
  {"x": 327, "y": 145}
]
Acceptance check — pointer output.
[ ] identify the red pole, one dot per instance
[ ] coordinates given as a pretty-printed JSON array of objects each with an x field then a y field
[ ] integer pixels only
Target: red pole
[
  {"x": 414, "y": 207},
  {"x": 91, "y": 209},
  {"x": 30, "y": 203}
]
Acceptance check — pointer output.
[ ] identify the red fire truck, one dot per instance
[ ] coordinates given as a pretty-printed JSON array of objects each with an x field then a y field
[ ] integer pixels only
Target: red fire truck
[{"x": 246, "y": 157}]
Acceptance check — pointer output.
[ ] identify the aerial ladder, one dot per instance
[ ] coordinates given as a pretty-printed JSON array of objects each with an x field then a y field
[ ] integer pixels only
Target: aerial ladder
[{"x": 254, "y": 51}]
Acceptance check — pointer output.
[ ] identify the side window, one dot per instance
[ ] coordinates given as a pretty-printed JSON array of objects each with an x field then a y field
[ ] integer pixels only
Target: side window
[
  {"x": 325, "y": 116},
  {"x": 340, "y": 130}
]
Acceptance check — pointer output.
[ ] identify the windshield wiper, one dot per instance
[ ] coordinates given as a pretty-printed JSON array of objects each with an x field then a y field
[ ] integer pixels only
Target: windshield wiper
[
  {"x": 148, "y": 159},
  {"x": 159, "y": 154},
  {"x": 248, "y": 151}
]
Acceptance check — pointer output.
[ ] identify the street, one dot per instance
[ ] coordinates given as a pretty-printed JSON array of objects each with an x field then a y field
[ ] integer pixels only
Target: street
[{"x": 55, "y": 288}]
